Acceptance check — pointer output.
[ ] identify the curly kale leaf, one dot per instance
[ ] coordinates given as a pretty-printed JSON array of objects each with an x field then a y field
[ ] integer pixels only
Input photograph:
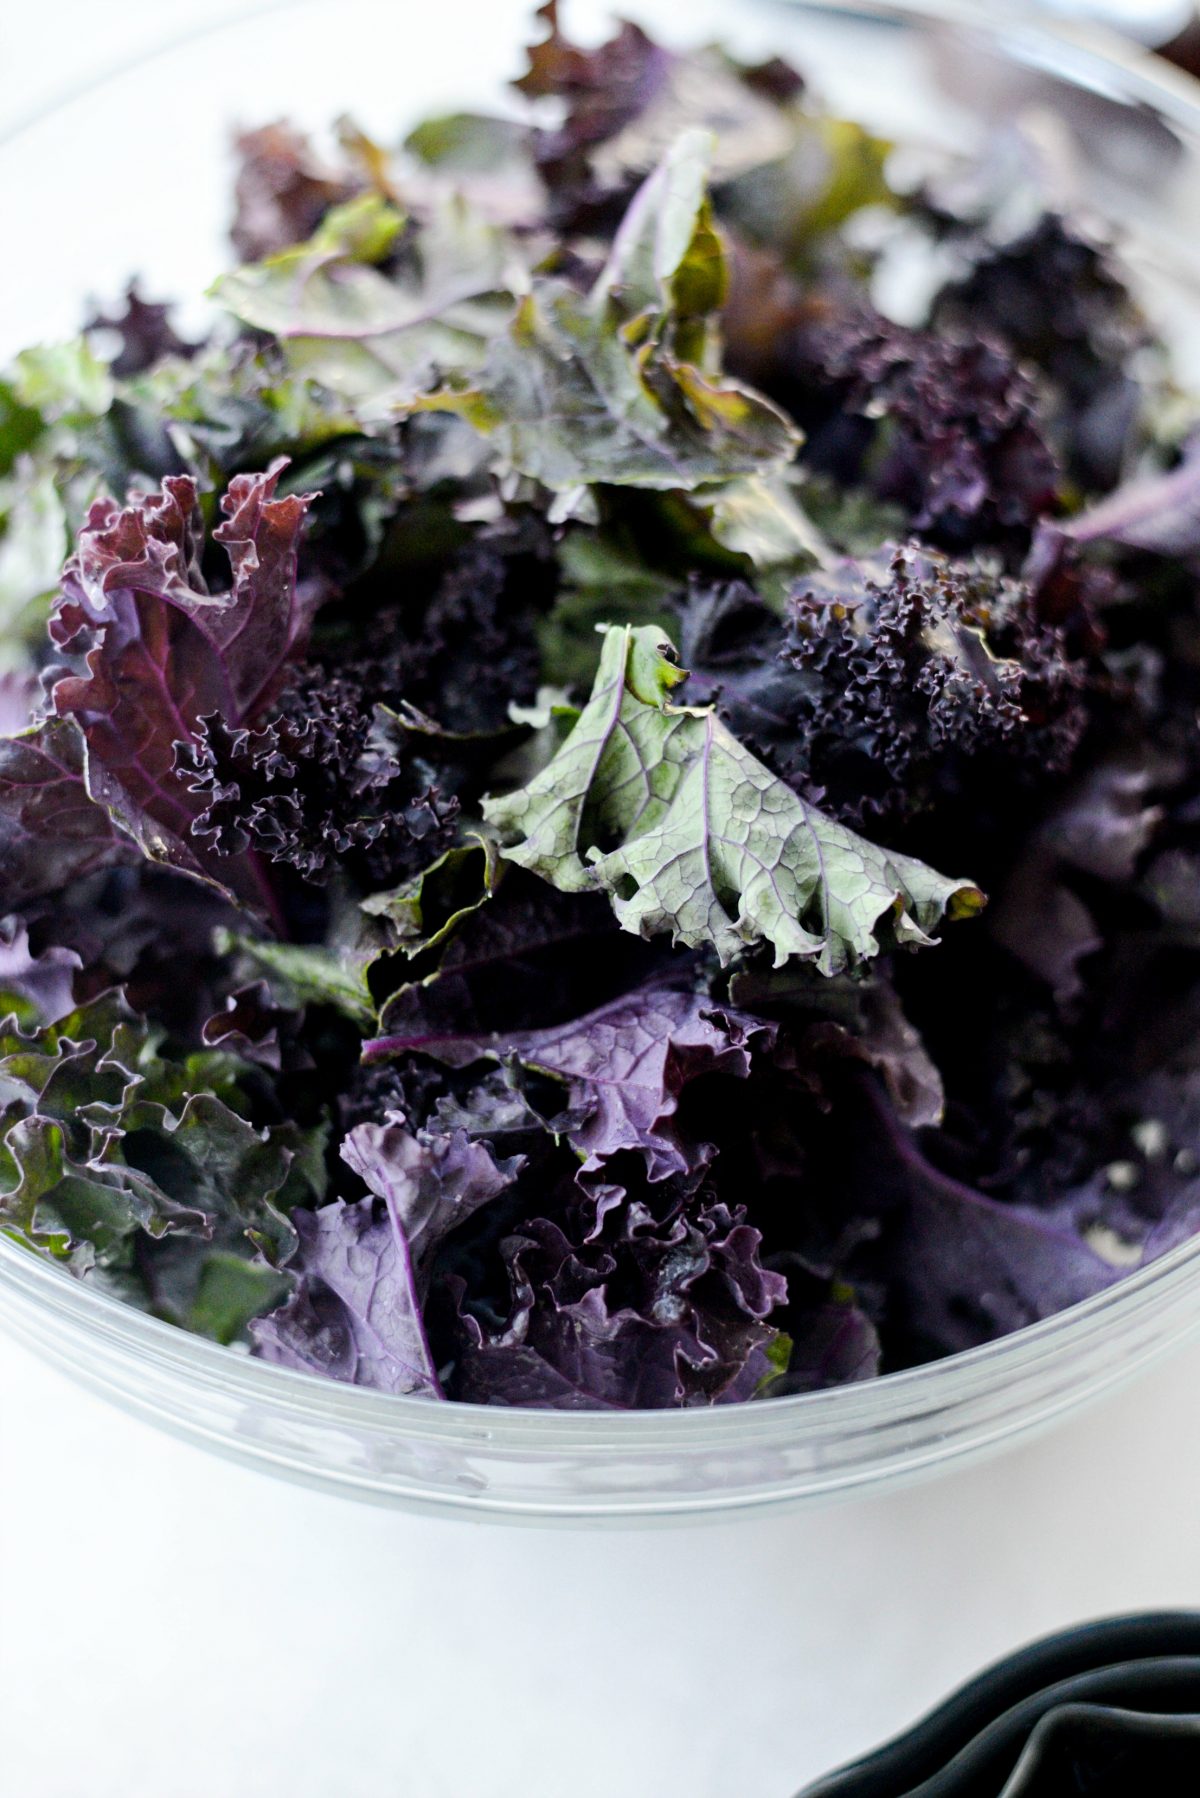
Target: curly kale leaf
[
  {"x": 346, "y": 772},
  {"x": 1056, "y": 297},
  {"x": 946, "y": 426},
  {"x": 894, "y": 682},
  {"x": 911, "y": 667},
  {"x": 669, "y": 1310},
  {"x": 157, "y": 650},
  {"x": 35, "y": 988},
  {"x": 108, "y": 1147},
  {"x": 319, "y": 785},
  {"x": 661, "y": 807}
]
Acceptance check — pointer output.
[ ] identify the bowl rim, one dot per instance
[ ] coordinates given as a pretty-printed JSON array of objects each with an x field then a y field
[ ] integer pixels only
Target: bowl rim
[
  {"x": 887, "y": 1399},
  {"x": 1088, "y": 56}
]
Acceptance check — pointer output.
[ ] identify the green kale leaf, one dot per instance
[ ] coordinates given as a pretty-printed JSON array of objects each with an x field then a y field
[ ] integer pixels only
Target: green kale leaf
[
  {"x": 623, "y": 386},
  {"x": 373, "y": 336},
  {"x": 103, "y": 1140},
  {"x": 661, "y": 806}
]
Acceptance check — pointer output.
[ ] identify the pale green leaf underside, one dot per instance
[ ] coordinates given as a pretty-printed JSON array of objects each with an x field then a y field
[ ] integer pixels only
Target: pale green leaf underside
[{"x": 691, "y": 835}]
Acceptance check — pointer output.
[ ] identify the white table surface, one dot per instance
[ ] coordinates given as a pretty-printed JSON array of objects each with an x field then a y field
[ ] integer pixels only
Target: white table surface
[
  {"x": 175, "y": 1627},
  {"x": 172, "y": 1626}
]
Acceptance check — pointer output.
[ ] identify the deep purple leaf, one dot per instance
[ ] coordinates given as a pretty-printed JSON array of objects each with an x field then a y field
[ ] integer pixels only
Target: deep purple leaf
[
  {"x": 163, "y": 651},
  {"x": 835, "y": 1344},
  {"x": 692, "y": 1328},
  {"x": 962, "y": 1268},
  {"x": 1099, "y": 828},
  {"x": 51, "y": 833},
  {"x": 46, "y": 982},
  {"x": 624, "y": 1067},
  {"x": 529, "y": 955},
  {"x": 429, "y": 1183}
]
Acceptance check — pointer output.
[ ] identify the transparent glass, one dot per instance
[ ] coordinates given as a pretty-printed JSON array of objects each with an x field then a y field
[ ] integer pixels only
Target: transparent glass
[{"x": 133, "y": 175}]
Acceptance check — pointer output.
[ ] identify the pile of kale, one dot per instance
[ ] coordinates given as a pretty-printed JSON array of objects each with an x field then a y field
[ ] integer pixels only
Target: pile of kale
[{"x": 501, "y": 796}]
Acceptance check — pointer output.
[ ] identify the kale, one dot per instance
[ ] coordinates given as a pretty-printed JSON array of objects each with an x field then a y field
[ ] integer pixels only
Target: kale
[
  {"x": 589, "y": 820},
  {"x": 282, "y": 191},
  {"x": 893, "y": 682},
  {"x": 317, "y": 785},
  {"x": 946, "y": 425},
  {"x": 1058, "y": 301}
]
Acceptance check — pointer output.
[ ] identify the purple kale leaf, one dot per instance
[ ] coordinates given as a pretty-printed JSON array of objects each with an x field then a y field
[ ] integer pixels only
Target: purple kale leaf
[
  {"x": 37, "y": 988},
  {"x": 477, "y": 637},
  {"x": 353, "y": 1314},
  {"x": 858, "y": 1019},
  {"x": 624, "y": 1068},
  {"x": 1094, "y": 834},
  {"x": 253, "y": 1027},
  {"x": 622, "y": 100},
  {"x": 51, "y": 833},
  {"x": 833, "y": 1343},
  {"x": 916, "y": 666},
  {"x": 1058, "y": 301},
  {"x": 893, "y": 683},
  {"x": 145, "y": 929},
  {"x": 347, "y": 770},
  {"x": 282, "y": 193},
  {"x": 603, "y": 91},
  {"x": 144, "y": 334},
  {"x": 618, "y": 1274},
  {"x": 667, "y": 1310},
  {"x": 157, "y": 649},
  {"x": 528, "y": 956},
  {"x": 958, "y": 1267},
  {"x": 319, "y": 784},
  {"x": 363, "y": 1270},
  {"x": 429, "y": 1183},
  {"x": 1159, "y": 513},
  {"x": 946, "y": 426},
  {"x": 150, "y": 551}
]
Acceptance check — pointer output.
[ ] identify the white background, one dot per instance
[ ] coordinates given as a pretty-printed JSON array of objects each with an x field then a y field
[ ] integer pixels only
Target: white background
[
  {"x": 172, "y": 1627},
  {"x": 175, "y": 1627}
]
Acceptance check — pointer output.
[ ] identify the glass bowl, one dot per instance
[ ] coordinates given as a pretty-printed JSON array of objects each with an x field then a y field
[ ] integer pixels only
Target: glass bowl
[{"x": 88, "y": 196}]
